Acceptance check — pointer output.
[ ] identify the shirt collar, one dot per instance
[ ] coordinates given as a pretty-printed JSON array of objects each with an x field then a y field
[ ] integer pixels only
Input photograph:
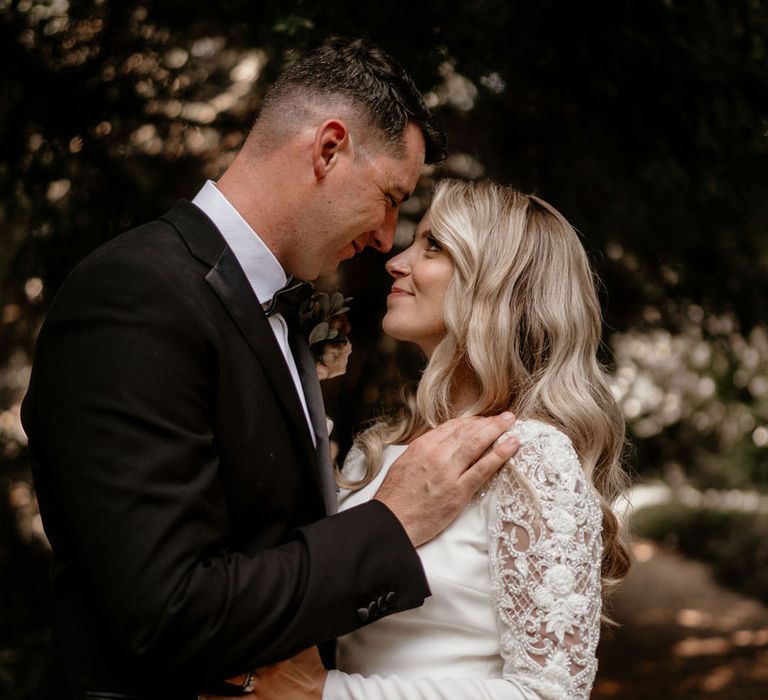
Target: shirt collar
[{"x": 261, "y": 268}]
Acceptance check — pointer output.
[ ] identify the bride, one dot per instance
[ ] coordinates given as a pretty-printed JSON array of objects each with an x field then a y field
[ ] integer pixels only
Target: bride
[{"x": 497, "y": 291}]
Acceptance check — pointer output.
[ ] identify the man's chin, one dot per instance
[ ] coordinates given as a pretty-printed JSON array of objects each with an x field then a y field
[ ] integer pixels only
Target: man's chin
[
  {"x": 343, "y": 255},
  {"x": 330, "y": 268}
]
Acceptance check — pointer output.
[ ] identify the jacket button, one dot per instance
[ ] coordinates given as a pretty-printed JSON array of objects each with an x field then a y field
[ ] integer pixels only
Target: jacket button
[
  {"x": 363, "y": 615},
  {"x": 382, "y": 604},
  {"x": 391, "y": 598},
  {"x": 373, "y": 609}
]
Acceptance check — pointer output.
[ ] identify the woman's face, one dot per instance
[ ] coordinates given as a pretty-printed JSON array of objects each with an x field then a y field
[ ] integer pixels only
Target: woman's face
[{"x": 421, "y": 275}]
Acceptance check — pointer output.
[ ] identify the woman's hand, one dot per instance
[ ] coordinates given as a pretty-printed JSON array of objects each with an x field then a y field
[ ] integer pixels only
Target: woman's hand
[
  {"x": 301, "y": 677},
  {"x": 244, "y": 680}
]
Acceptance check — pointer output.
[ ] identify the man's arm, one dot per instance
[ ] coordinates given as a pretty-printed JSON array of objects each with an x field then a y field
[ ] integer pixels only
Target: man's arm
[{"x": 119, "y": 415}]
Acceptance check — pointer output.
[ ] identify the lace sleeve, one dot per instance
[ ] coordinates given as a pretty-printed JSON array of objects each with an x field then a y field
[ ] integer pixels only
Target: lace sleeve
[{"x": 545, "y": 553}]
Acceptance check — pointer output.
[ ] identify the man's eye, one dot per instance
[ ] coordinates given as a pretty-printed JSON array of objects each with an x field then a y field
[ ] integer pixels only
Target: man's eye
[{"x": 393, "y": 202}]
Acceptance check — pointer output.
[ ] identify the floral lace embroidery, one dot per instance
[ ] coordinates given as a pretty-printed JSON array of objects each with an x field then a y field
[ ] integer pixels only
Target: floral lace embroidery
[{"x": 545, "y": 549}]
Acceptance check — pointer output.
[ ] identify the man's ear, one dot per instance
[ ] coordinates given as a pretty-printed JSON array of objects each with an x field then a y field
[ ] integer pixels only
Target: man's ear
[{"x": 331, "y": 138}]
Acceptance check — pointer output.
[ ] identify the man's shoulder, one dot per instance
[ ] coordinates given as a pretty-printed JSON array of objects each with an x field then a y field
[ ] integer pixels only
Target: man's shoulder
[
  {"x": 157, "y": 246},
  {"x": 150, "y": 259},
  {"x": 144, "y": 244}
]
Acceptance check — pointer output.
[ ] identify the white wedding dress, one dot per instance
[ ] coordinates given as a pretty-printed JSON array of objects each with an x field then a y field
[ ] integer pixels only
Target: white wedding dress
[{"x": 515, "y": 606}]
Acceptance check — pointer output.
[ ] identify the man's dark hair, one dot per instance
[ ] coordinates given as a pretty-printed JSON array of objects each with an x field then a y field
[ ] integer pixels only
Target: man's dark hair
[{"x": 368, "y": 77}]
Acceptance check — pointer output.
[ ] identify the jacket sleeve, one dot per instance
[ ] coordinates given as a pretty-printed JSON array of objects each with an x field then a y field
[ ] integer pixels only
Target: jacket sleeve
[{"x": 119, "y": 421}]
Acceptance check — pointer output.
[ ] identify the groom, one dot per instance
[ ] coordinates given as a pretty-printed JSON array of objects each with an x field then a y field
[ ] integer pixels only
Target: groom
[{"x": 177, "y": 439}]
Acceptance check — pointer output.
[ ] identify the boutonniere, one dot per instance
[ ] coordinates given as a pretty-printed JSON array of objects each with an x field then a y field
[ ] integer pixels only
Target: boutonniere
[{"x": 324, "y": 323}]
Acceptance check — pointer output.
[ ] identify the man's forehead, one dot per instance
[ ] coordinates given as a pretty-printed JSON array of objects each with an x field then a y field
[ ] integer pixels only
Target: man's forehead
[
  {"x": 411, "y": 158},
  {"x": 399, "y": 177},
  {"x": 401, "y": 171},
  {"x": 408, "y": 172}
]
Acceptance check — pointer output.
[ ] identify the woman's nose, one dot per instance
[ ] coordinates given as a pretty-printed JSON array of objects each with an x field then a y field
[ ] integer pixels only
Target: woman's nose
[{"x": 397, "y": 265}]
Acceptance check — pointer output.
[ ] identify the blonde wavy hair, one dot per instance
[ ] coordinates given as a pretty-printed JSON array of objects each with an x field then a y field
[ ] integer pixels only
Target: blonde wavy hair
[{"x": 523, "y": 328}]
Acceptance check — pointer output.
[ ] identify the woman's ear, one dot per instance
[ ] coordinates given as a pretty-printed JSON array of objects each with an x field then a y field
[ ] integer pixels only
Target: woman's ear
[{"x": 331, "y": 139}]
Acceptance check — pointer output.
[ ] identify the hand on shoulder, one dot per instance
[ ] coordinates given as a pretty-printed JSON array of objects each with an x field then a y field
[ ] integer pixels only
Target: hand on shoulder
[{"x": 440, "y": 472}]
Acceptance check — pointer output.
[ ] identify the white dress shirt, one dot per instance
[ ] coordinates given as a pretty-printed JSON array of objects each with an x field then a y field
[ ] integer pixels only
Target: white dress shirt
[{"x": 261, "y": 268}]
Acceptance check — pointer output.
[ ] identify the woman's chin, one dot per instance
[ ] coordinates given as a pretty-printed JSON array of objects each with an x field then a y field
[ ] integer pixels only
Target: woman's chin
[{"x": 391, "y": 327}]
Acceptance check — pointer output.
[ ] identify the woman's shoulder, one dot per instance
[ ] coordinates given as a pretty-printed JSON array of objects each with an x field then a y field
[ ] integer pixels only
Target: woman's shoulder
[
  {"x": 535, "y": 432},
  {"x": 546, "y": 475},
  {"x": 354, "y": 470},
  {"x": 546, "y": 453},
  {"x": 355, "y": 459}
]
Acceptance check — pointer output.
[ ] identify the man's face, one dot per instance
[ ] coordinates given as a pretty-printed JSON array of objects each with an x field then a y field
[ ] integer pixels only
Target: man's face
[{"x": 363, "y": 201}]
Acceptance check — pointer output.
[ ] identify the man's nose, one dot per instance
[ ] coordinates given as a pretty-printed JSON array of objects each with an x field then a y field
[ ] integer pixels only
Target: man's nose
[{"x": 383, "y": 237}]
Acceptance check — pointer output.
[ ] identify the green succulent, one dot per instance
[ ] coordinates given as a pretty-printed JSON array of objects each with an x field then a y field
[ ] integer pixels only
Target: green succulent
[{"x": 322, "y": 318}]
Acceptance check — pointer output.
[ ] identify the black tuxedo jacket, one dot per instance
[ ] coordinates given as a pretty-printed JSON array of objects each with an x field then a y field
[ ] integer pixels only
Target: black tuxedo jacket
[{"x": 178, "y": 480}]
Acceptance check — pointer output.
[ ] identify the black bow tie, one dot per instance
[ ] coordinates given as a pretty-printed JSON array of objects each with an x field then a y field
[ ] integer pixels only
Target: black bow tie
[{"x": 287, "y": 299}]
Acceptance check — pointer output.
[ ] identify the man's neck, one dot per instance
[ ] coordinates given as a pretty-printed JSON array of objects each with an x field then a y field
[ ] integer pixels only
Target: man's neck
[{"x": 250, "y": 198}]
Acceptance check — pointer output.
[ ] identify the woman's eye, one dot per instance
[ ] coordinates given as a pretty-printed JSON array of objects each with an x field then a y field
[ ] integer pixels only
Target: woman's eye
[{"x": 433, "y": 244}]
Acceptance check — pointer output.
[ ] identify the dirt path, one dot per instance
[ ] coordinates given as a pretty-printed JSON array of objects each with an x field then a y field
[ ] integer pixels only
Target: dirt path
[{"x": 683, "y": 636}]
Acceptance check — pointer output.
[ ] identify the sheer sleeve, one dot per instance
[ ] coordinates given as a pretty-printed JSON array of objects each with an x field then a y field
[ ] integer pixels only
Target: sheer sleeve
[{"x": 545, "y": 548}]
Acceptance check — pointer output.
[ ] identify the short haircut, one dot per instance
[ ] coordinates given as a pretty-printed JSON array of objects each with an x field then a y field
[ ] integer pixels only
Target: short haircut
[{"x": 369, "y": 80}]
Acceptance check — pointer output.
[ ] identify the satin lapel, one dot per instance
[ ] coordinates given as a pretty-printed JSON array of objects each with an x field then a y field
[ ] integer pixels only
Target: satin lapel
[
  {"x": 308, "y": 374},
  {"x": 228, "y": 281}
]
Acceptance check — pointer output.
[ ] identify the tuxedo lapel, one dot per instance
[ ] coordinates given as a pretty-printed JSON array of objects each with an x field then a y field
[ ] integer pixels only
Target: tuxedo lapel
[
  {"x": 231, "y": 286},
  {"x": 308, "y": 374},
  {"x": 227, "y": 279}
]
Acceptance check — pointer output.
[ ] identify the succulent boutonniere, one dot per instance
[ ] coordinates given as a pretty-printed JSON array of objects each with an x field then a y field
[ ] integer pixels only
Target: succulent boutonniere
[{"x": 323, "y": 320}]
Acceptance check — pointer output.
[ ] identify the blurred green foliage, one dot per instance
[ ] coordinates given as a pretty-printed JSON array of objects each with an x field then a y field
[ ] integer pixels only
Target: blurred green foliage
[{"x": 734, "y": 543}]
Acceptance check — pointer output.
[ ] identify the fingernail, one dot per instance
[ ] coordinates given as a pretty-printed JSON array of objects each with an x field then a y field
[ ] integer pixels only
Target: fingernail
[
  {"x": 513, "y": 443},
  {"x": 508, "y": 416}
]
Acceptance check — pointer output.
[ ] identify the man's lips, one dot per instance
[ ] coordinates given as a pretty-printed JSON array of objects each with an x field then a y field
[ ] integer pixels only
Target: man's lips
[{"x": 346, "y": 254}]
